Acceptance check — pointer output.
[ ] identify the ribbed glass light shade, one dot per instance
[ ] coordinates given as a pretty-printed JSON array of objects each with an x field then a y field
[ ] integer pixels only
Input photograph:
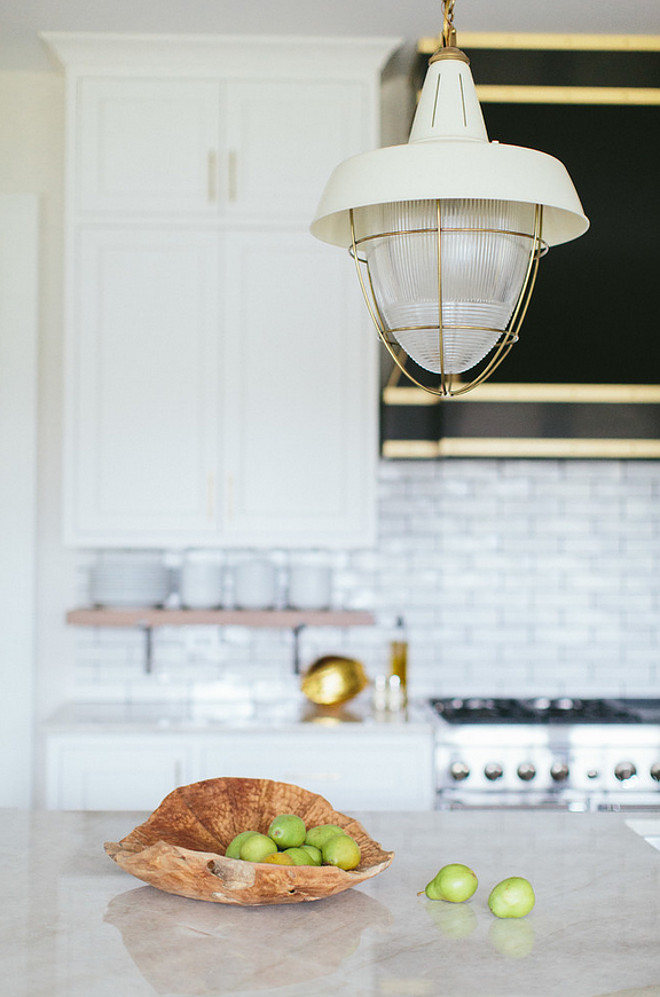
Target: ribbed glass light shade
[{"x": 485, "y": 248}]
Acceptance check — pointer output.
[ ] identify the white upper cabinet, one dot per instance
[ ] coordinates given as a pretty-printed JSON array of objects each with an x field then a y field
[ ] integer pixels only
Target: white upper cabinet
[
  {"x": 282, "y": 142},
  {"x": 221, "y": 373},
  {"x": 147, "y": 145},
  {"x": 299, "y": 404},
  {"x": 240, "y": 149},
  {"x": 144, "y": 385}
]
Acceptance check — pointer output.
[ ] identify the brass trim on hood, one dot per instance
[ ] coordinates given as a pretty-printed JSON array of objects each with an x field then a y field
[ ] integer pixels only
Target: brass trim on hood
[
  {"x": 520, "y": 447},
  {"x": 535, "y": 40},
  {"x": 496, "y": 93},
  {"x": 619, "y": 394}
]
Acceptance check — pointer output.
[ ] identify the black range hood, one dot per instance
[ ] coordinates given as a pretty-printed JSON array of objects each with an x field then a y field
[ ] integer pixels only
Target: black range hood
[
  {"x": 523, "y": 420},
  {"x": 584, "y": 380}
]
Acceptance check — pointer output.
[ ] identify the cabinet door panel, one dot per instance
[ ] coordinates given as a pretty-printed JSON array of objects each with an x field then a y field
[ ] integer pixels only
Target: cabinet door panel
[
  {"x": 147, "y": 145},
  {"x": 300, "y": 402},
  {"x": 144, "y": 421},
  {"x": 285, "y": 138}
]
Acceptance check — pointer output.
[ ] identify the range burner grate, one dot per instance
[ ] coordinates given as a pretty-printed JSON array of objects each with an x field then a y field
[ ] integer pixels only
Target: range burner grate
[{"x": 564, "y": 710}]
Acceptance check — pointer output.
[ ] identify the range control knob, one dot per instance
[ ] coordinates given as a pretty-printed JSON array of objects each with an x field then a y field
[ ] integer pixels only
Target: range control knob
[
  {"x": 655, "y": 771},
  {"x": 624, "y": 771},
  {"x": 459, "y": 771},
  {"x": 526, "y": 771},
  {"x": 559, "y": 771},
  {"x": 493, "y": 771}
]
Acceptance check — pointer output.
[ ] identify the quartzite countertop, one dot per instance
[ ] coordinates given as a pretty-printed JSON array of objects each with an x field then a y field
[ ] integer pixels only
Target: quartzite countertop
[{"x": 75, "y": 925}]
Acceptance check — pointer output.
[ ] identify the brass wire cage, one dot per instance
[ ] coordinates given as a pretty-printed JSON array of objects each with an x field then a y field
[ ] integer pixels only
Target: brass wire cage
[{"x": 450, "y": 385}]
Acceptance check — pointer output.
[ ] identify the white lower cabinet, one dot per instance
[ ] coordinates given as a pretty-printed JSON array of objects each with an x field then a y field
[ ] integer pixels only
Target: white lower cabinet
[
  {"x": 362, "y": 770},
  {"x": 365, "y": 770},
  {"x": 115, "y": 772}
]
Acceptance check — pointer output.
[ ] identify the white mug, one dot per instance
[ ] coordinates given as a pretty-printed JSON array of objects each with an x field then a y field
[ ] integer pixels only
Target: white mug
[
  {"x": 310, "y": 586},
  {"x": 200, "y": 584},
  {"x": 255, "y": 585}
]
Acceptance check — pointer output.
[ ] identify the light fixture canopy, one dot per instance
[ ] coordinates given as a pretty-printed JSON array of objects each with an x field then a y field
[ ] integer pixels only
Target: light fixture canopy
[{"x": 447, "y": 230}]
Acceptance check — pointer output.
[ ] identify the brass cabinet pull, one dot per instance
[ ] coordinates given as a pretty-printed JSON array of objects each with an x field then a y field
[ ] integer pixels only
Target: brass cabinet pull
[
  {"x": 212, "y": 176},
  {"x": 232, "y": 175},
  {"x": 230, "y": 497}
]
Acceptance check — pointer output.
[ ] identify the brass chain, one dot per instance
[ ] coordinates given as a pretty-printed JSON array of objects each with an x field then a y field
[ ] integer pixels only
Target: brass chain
[{"x": 448, "y": 29}]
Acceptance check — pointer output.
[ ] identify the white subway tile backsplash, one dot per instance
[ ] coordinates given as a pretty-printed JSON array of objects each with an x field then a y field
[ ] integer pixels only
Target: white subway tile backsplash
[{"x": 516, "y": 577}]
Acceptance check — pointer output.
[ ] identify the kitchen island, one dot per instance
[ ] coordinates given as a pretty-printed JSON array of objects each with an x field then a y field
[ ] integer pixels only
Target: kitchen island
[{"x": 75, "y": 925}]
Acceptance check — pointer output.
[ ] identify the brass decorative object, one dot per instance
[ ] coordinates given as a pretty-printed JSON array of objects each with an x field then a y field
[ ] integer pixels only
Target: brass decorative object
[
  {"x": 332, "y": 680},
  {"x": 181, "y": 847}
]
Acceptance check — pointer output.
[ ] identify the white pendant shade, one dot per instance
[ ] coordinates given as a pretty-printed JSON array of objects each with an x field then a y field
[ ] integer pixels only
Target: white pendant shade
[
  {"x": 448, "y": 226},
  {"x": 449, "y": 156}
]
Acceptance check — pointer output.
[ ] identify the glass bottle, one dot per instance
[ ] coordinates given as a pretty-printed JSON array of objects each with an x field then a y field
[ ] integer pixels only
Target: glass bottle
[{"x": 399, "y": 655}]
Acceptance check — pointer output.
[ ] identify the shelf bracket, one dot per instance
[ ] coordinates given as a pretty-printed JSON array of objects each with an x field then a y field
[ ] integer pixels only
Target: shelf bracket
[
  {"x": 296, "y": 647},
  {"x": 148, "y": 646}
]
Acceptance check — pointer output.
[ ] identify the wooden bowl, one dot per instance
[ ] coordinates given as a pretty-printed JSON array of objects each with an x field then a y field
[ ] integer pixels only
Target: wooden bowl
[{"x": 181, "y": 847}]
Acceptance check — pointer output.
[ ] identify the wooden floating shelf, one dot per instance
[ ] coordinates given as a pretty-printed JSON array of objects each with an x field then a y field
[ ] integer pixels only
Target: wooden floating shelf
[
  {"x": 288, "y": 618},
  {"x": 147, "y": 619}
]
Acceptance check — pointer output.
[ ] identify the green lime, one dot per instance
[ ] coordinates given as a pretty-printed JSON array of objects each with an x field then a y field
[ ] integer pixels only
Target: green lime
[
  {"x": 287, "y": 831},
  {"x": 513, "y": 897},
  {"x": 342, "y": 851},
  {"x": 315, "y": 854},
  {"x": 256, "y": 847},
  {"x": 298, "y": 856},
  {"x": 321, "y": 833},
  {"x": 234, "y": 847},
  {"x": 455, "y": 882},
  {"x": 279, "y": 858}
]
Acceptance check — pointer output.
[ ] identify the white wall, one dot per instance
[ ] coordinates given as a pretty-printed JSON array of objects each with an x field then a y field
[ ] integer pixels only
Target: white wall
[
  {"x": 18, "y": 476},
  {"x": 31, "y": 162}
]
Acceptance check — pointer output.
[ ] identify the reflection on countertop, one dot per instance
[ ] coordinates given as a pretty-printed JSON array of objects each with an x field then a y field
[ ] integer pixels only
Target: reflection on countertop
[{"x": 197, "y": 950}]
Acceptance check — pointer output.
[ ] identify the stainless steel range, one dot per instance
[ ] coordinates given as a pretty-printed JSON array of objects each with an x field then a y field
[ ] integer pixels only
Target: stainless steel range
[{"x": 575, "y": 754}]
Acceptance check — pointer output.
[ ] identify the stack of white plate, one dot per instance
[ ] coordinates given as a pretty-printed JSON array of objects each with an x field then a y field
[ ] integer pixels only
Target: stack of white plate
[{"x": 129, "y": 583}]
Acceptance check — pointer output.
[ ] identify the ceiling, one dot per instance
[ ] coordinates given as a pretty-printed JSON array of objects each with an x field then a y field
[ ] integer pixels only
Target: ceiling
[{"x": 22, "y": 20}]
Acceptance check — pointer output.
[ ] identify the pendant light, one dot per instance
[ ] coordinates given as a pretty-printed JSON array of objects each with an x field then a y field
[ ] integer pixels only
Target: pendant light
[{"x": 447, "y": 230}]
